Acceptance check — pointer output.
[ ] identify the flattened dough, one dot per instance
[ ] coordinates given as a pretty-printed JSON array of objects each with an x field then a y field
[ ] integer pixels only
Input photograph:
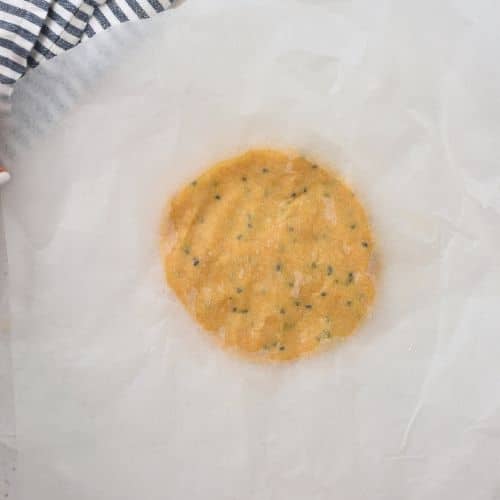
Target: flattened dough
[{"x": 270, "y": 253}]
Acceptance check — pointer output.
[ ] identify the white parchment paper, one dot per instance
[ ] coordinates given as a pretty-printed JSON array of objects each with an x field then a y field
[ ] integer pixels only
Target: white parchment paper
[{"x": 118, "y": 394}]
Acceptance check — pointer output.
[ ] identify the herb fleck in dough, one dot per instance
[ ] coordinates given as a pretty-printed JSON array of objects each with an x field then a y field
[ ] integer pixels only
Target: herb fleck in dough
[{"x": 271, "y": 254}]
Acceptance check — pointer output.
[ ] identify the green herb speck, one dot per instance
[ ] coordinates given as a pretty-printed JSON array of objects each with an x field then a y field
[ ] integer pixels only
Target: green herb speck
[
  {"x": 329, "y": 270},
  {"x": 239, "y": 290},
  {"x": 265, "y": 170},
  {"x": 239, "y": 236},
  {"x": 194, "y": 183},
  {"x": 282, "y": 347},
  {"x": 350, "y": 278},
  {"x": 278, "y": 267},
  {"x": 365, "y": 244},
  {"x": 349, "y": 303},
  {"x": 293, "y": 195},
  {"x": 195, "y": 262},
  {"x": 217, "y": 196},
  {"x": 305, "y": 190},
  {"x": 282, "y": 311},
  {"x": 353, "y": 226},
  {"x": 314, "y": 265}
]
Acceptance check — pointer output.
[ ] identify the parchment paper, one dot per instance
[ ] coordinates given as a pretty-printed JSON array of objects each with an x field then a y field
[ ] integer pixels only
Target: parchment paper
[{"x": 119, "y": 395}]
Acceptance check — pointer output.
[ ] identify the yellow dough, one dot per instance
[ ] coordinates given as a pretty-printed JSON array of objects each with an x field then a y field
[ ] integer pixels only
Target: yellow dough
[{"x": 271, "y": 253}]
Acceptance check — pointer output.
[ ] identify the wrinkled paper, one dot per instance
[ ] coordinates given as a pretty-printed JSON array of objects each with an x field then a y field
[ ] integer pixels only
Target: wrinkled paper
[{"x": 119, "y": 395}]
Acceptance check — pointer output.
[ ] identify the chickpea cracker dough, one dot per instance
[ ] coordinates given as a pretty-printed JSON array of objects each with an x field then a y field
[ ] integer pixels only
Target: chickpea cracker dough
[{"x": 271, "y": 253}]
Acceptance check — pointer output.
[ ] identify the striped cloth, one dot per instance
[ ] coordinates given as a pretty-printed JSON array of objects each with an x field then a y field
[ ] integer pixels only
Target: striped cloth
[{"x": 34, "y": 30}]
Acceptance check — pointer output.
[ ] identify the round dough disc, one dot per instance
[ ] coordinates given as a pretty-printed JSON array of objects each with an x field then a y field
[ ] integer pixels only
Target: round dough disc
[{"x": 271, "y": 253}]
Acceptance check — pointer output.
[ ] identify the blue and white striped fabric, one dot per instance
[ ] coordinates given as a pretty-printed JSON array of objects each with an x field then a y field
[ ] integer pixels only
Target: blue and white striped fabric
[{"x": 34, "y": 30}]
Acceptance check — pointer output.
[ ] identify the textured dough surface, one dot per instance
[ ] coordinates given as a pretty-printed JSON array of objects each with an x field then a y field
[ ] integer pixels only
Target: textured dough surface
[{"x": 271, "y": 253}]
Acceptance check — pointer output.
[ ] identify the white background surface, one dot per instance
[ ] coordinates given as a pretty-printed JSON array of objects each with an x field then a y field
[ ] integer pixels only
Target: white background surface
[{"x": 119, "y": 396}]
